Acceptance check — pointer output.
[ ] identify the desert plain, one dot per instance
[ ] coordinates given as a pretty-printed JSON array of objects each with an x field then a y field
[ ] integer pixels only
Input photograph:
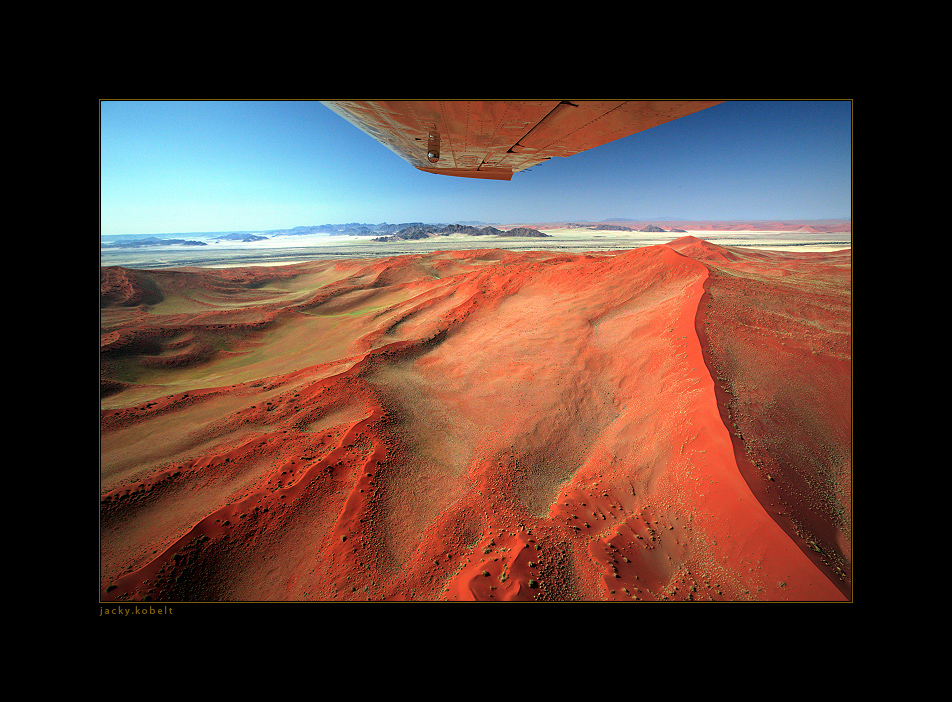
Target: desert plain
[{"x": 671, "y": 422}]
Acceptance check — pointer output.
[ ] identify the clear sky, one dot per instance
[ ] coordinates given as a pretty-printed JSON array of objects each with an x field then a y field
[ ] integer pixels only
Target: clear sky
[{"x": 183, "y": 166}]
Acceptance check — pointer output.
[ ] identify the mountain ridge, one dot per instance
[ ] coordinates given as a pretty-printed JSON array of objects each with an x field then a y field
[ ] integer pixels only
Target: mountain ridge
[{"x": 383, "y": 228}]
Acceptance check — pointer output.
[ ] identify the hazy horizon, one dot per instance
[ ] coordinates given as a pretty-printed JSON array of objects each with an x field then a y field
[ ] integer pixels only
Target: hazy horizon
[{"x": 640, "y": 220}]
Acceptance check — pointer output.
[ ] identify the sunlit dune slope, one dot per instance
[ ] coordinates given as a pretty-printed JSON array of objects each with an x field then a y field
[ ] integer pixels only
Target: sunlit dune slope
[{"x": 665, "y": 423}]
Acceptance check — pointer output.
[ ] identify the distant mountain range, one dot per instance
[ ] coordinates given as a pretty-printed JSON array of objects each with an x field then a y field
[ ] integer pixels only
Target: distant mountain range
[
  {"x": 381, "y": 232},
  {"x": 123, "y": 242},
  {"x": 409, "y": 231},
  {"x": 428, "y": 230},
  {"x": 148, "y": 241}
]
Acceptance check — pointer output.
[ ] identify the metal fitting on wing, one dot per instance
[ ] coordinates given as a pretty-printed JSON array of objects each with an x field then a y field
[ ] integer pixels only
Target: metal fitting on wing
[{"x": 433, "y": 147}]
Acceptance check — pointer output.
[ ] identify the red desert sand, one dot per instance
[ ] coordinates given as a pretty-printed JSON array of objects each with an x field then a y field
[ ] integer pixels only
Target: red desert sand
[{"x": 671, "y": 423}]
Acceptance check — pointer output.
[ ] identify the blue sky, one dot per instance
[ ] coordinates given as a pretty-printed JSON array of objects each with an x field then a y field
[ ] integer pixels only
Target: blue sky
[{"x": 182, "y": 166}]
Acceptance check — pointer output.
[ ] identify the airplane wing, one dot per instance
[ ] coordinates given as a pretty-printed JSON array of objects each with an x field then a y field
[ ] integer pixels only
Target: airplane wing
[{"x": 494, "y": 139}]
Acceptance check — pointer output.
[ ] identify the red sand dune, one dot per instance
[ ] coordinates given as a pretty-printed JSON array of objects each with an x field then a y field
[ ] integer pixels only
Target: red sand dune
[{"x": 666, "y": 423}]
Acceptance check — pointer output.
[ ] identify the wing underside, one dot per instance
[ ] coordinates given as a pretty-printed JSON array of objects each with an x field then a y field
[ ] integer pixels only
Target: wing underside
[{"x": 496, "y": 138}]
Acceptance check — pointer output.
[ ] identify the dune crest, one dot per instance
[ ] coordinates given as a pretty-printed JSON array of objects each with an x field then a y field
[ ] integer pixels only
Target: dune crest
[{"x": 665, "y": 423}]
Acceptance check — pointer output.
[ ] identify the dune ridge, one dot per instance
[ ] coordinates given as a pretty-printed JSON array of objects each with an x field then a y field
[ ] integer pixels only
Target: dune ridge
[{"x": 665, "y": 423}]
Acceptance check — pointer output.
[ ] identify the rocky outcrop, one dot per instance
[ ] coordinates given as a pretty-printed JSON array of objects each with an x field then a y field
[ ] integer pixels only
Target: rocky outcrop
[{"x": 523, "y": 232}]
